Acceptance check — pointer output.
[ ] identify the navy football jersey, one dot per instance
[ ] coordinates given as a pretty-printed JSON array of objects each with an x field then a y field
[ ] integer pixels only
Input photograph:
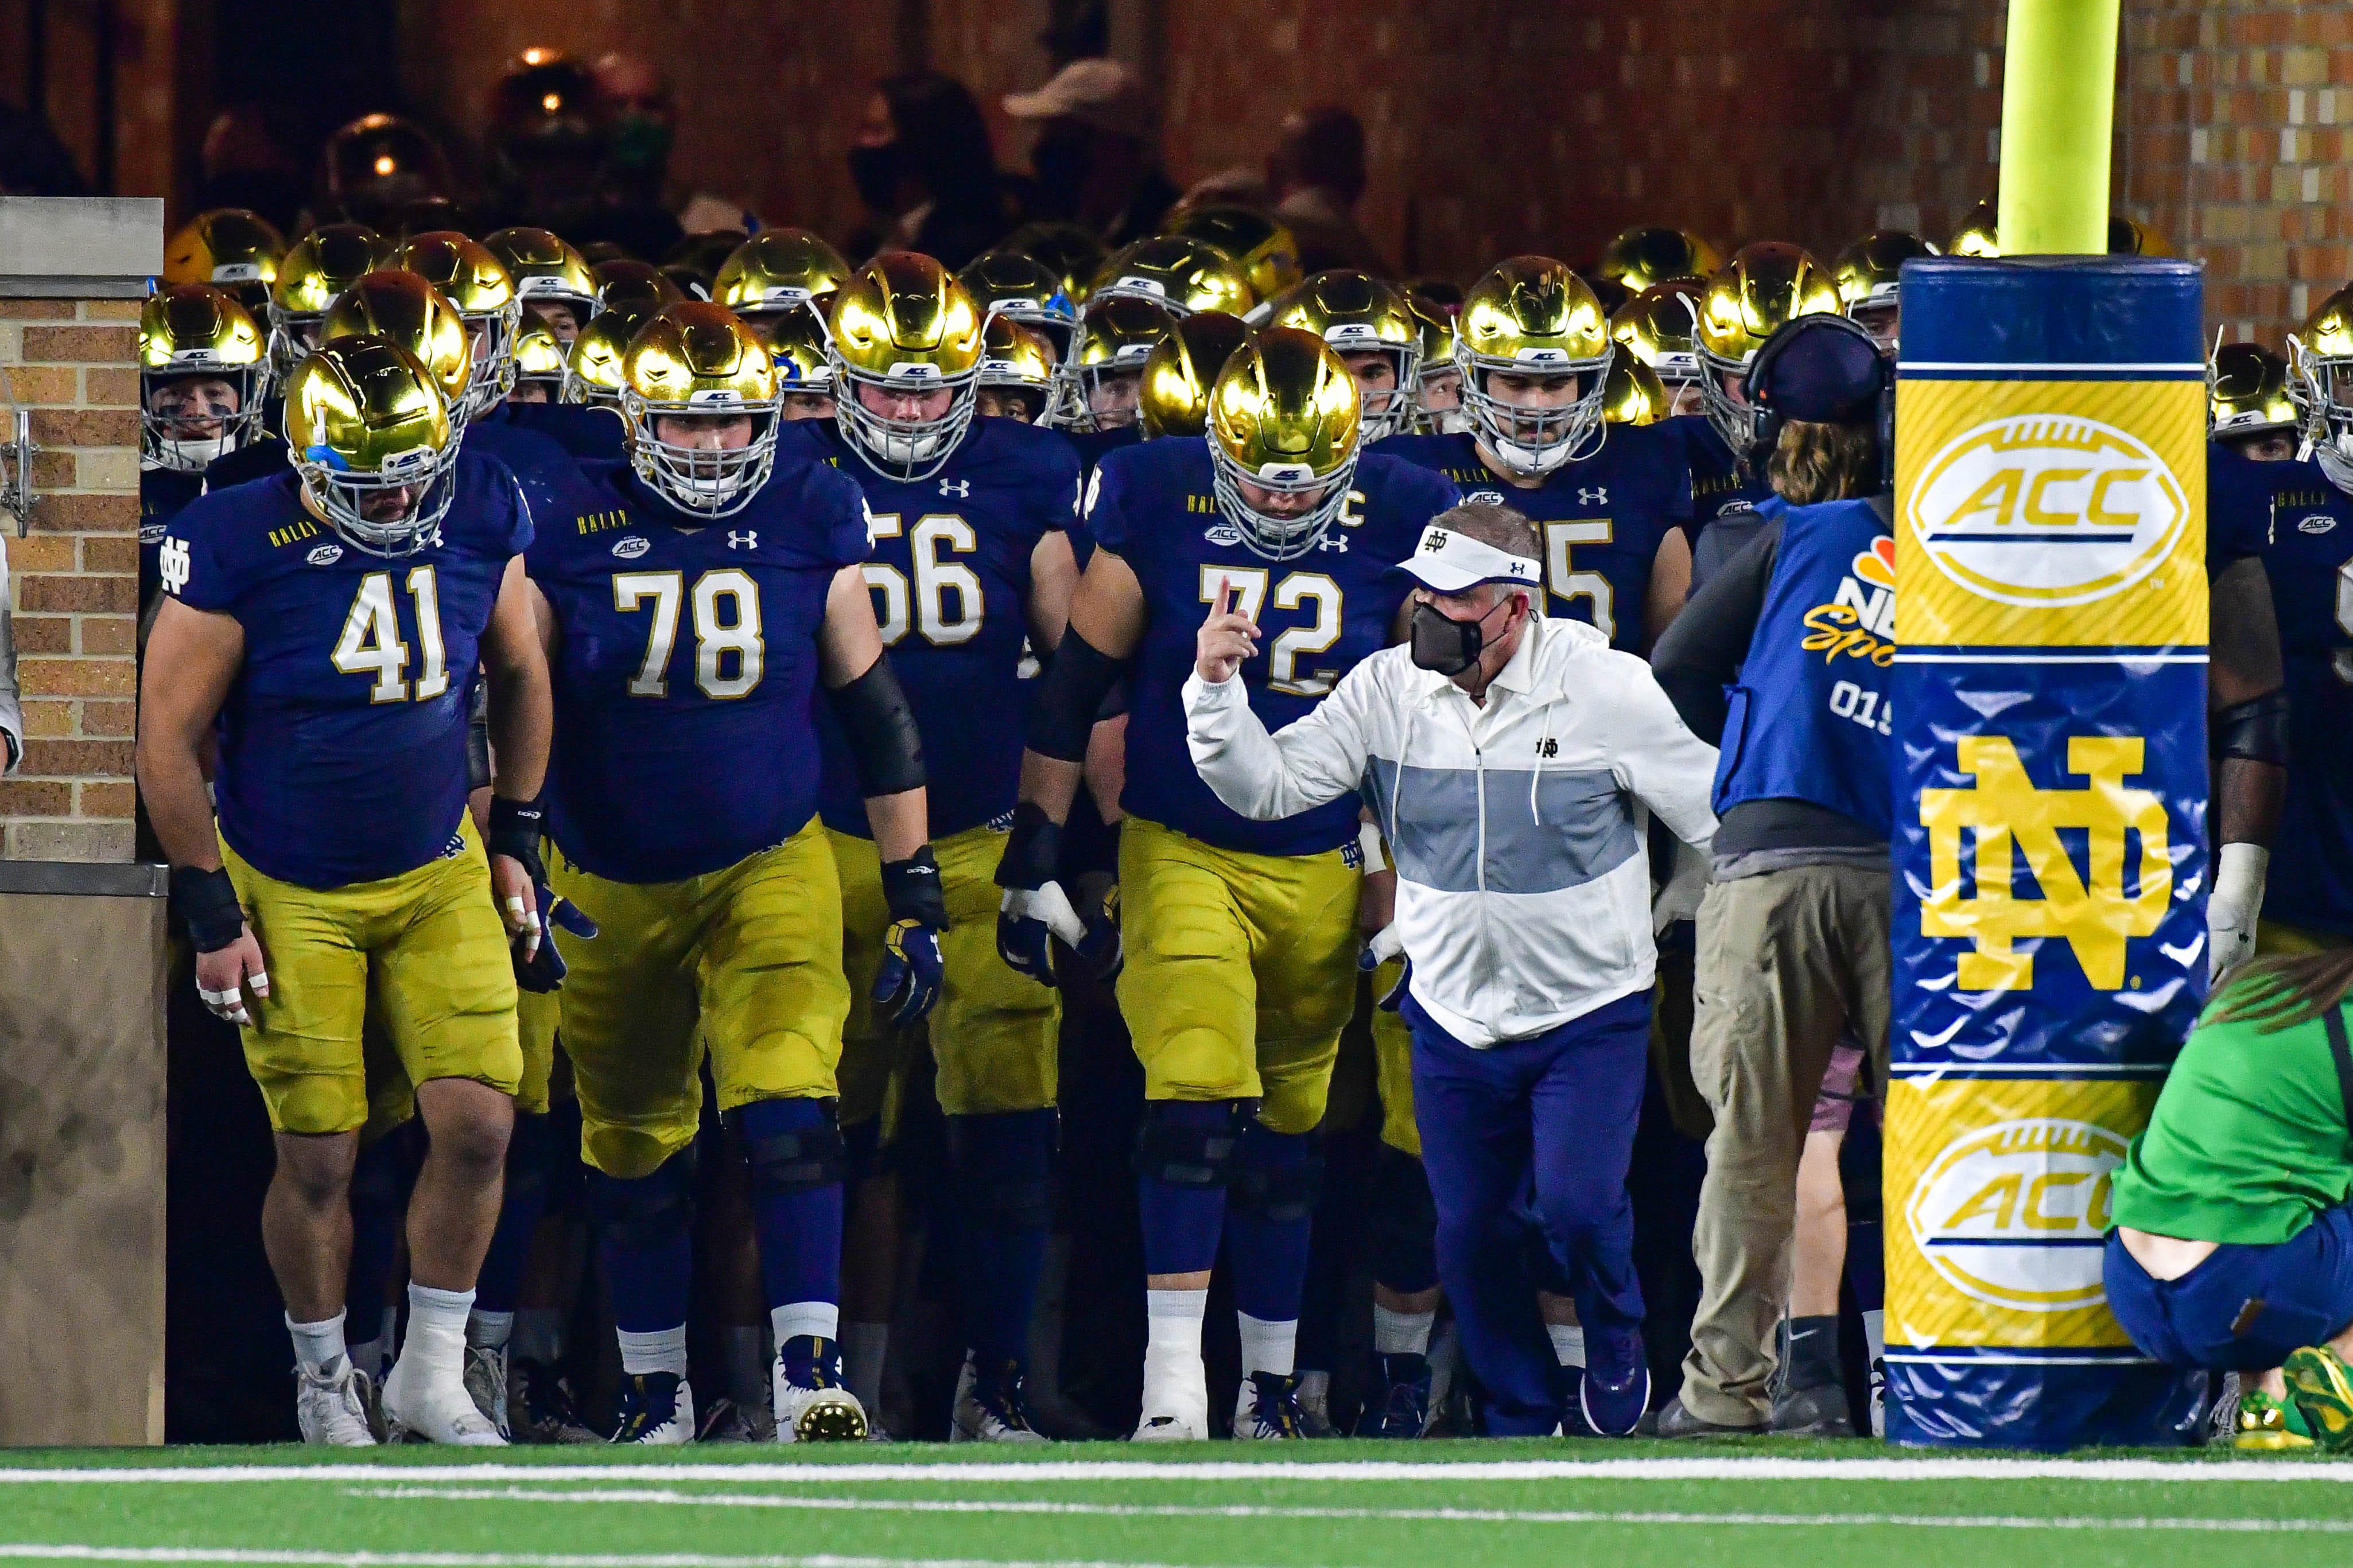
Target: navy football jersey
[
  {"x": 1091, "y": 445},
  {"x": 1722, "y": 498},
  {"x": 950, "y": 574},
  {"x": 1153, "y": 506},
  {"x": 343, "y": 738},
  {"x": 1601, "y": 520},
  {"x": 161, "y": 493},
  {"x": 583, "y": 431},
  {"x": 2308, "y": 522},
  {"x": 685, "y": 670}
]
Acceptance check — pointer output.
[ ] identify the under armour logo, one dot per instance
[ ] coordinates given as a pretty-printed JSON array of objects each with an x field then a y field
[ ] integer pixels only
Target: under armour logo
[
  {"x": 748, "y": 539},
  {"x": 1333, "y": 541},
  {"x": 1598, "y": 495},
  {"x": 957, "y": 488},
  {"x": 2005, "y": 813},
  {"x": 172, "y": 561}
]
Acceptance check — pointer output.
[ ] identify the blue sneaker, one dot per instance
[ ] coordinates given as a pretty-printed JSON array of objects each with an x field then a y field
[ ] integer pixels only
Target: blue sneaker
[
  {"x": 657, "y": 1411},
  {"x": 1397, "y": 1402},
  {"x": 1615, "y": 1392}
]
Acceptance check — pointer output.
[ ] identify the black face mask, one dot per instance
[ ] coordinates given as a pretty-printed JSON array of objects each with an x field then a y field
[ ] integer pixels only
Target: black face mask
[
  {"x": 1445, "y": 645},
  {"x": 875, "y": 171}
]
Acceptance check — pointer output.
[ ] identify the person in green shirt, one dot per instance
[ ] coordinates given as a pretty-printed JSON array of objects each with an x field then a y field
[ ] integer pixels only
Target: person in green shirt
[{"x": 2232, "y": 1247}]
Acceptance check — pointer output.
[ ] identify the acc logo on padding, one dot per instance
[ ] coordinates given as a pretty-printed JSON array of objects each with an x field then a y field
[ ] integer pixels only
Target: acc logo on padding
[
  {"x": 2041, "y": 510},
  {"x": 2013, "y": 1214}
]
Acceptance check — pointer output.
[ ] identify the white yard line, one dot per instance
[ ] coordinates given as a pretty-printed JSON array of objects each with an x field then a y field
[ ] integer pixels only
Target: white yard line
[{"x": 76, "y": 1552}]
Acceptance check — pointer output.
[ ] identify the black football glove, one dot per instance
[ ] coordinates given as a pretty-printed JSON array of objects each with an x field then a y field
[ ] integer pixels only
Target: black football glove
[
  {"x": 516, "y": 827},
  {"x": 1035, "y": 909},
  {"x": 908, "y": 985}
]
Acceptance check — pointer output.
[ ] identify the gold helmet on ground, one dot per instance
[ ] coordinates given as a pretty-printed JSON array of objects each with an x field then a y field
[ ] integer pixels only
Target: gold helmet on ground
[
  {"x": 1028, "y": 291},
  {"x": 2320, "y": 361},
  {"x": 699, "y": 361},
  {"x": 187, "y": 333},
  {"x": 539, "y": 359},
  {"x": 313, "y": 275},
  {"x": 2247, "y": 392},
  {"x": 472, "y": 280},
  {"x": 1356, "y": 313},
  {"x": 405, "y": 308},
  {"x": 1644, "y": 257},
  {"x": 1016, "y": 359},
  {"x": 1179, "y": 275},
  {"x": 1531, "y": 317},
  {"x": 1765, "y": 288},
  {"x": 1258, "y": 243},
  {"x": 545, "y": 271},
  {"x": 1070, "y": 248},
  {"x": 905, "y": 327},
  {"x": 776, "y": 270},
  {"x": 1632, "y": 393},
  {"x": 369, "y": 432},
  {"x": 234, "y": 250},
  {"x": 1181, "y": 369},
  {"x": 1284, "y": 418},
  {"x": 1116, "y": 337},
  {"x": 1660, "y": 326},
  {"x": 625, "y": 280},
  {"x": 592, "y": 368}
]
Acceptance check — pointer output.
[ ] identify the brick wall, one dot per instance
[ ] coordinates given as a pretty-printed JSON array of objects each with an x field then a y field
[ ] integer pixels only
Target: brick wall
[{"x": 74, "y": 579}]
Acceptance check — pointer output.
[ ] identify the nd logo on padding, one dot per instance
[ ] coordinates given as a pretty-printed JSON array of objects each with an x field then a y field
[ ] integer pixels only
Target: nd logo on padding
[
  {"x": 2041, "y": 510},
  {"x": 2012, "y": 1215}
]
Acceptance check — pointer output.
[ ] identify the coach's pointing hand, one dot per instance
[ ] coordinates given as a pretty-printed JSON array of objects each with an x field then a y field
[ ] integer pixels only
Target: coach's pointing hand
[{"x": 1227, "y": 637}]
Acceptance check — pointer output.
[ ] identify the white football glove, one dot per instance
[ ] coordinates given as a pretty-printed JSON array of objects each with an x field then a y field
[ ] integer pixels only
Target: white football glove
[{"x": 2234, "y": 906}]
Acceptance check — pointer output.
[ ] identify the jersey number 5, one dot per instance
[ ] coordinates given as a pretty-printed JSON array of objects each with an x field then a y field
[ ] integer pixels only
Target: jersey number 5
[
  {"x": 1569, "y": 585},
  {"x": 727, "y": 629},
  {"x": 371, "y": 642},
  {"x": 895, "y": 604},
  {"x": 1296, "y": 590}
]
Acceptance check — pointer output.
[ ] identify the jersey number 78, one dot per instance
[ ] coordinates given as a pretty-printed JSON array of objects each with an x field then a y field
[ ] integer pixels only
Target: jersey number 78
[{"x": 729, "y": 654}]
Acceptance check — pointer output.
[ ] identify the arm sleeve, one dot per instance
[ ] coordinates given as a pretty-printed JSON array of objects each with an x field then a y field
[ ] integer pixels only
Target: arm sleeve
[
  {"x": 1266, "y": 777},
  {"x": 1659, "y": 760},
  {"x": 12, "y": 712},
  {"x": 1702, "y": 649}
]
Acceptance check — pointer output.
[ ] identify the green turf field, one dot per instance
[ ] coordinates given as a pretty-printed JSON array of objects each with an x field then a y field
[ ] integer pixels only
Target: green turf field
[{"x": 1333, "y": 1505}]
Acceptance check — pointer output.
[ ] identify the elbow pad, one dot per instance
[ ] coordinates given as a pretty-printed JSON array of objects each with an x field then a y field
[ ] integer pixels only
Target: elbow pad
[
  {"x": 2255, "y": 730},
  {"x": 880, "y": 728},
  {"x": 1070, "y": 698}
]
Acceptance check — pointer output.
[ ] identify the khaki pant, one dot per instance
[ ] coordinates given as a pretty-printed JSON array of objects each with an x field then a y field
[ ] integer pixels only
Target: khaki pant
[{"x": 1788, "y": 961}]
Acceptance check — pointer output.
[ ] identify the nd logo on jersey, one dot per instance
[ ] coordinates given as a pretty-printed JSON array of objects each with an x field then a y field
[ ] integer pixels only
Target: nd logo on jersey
[{"x": 2012, "y": 1215}]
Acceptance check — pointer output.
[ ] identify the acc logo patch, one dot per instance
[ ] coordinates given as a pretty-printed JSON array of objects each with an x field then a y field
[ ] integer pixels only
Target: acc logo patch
[
  {"x": 2012, "y": 1215},
  {"x": 631, "y": 546},
  {"x": 2314, "y": 522},
  {"x": 2041, "y": 510},
  {"x": 1484, "y": 498},
  {"x": 325, "y": 555}
]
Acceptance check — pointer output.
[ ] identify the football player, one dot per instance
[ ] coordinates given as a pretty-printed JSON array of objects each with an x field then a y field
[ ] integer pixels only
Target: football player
[
  {"x": 313, "y": 275},
  {"x": 553, "y": 281},
  {"x": 1240, "y": 938},
  {"x": 328, "y": 624},
  {"x": 775, "y": 275},
  {"x": 691, "y": 615},
  {"x": 592, "y": 369},
  {"x": 539, "y": 364},
  {"x": 1177, "y": 274},
  {"x": 1869, "y": 275},
  {"x": 1643, "y": 258},
  {"x": 202, "y": 369},
  {"x": 1105, "y": 371},
  {"x": 1017, "y": 373},
  {"x": 234, "y": 250},
  {"x": 969, "y": 557},
  {"x": 2248, "y": 410},
  {"x": 1258, "y": 243},
  {"x": 1369, "y": 325},
  {"x": 1438, "y": 403},
  {"x": 1172, "y": 398},
  {"x": 1659, "y": 327}
]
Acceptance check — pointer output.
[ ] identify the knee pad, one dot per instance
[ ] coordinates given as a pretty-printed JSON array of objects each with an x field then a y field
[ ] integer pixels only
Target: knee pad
[
  {"x": 1190, "y": 1143},
  {"x": 1003, "y": 1168},
  {"x": 790, "y": 1149},
  {"x": 530, "y": 1151},
  {"x": 1280, "y": 1177},
  {"x": 649, "y": 1211},
  {"x": 1401, "y": 1223}
]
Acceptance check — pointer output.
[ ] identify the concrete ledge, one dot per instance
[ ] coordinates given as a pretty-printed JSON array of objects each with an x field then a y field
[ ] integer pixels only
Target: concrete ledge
[
  {"x": 86, "y": 879},
  {"x": 82, "y": 238},
  {"x": 133, "y": 286}
]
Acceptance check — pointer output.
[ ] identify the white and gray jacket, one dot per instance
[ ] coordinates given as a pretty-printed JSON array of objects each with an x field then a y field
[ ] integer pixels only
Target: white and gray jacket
[{"x": 1516, "y": 827}]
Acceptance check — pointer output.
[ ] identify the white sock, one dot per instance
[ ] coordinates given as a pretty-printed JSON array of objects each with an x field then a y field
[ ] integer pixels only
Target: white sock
[
  {"x": 1174, "y": 1319},
  {"x": 660, "y": 1350},
  {"x": 794, "y": 1319},
  {"x": 539, "y": 1335},
  {"x": 1401, "y": 1333},
  {"x": 436, "y": 1330},
  {"x": 1268, "y": 1344},
  {"x": 318, "y": 1347},
  {"x": 369, "y": 1355},
  {"x": 489, "y": 1331},
  {"x": 865, "y": 1347},
  {"x": 1568, "y": 1342},
  {"x": 745, "y": 1349},
  {"x": 1874, "y": 1333}
]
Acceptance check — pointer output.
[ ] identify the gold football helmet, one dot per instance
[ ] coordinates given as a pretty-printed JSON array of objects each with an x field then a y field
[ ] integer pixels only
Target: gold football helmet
[
  {"x": 1258, "y": 243},
  {"x": 592, "y": 367},
  {"x": 380, "y": 163},
  {"x": 1016, "y": 360},
  {"x": 1978, "y": 235},
  {"x": 1869, "y": 275},
  {"x": 1531, "y": 317},
  {"x": 1283, "y": 419},
  {"x": 698, "y": 361},
  {"x": 1633, "y": 393},
  {"x": 625, "y": 280},
  {"x": 472, "y": 280},
  {"x": 1116, "y": 337},
  {"x": 776, "y": 270},
  {"x": 1356, "y": 313},
  {"x": 1660, "y": 326},
  {"x": 2320, "y": 361},
  {"x": 323, "y": 264},
  {"x": 369, "y": 432},
  {"x": 411, "y": 312},
  {"x": 904, "y": 329},
  {"x": 1026, "y": 289},
  {"x": 1181, "y": 369},
  {"x": 187, "y": 331},
  {"x": 232, "y": 250},
  {"x": 1438, "y": 400},
  {"x": 2247, "y": 392},
  {"x": 804, "y": 354},
  {"x": 1070, "y": 248},
  {"x": 1644, "y": 257},
  {"x": 538, "y": 361},
  {"x": 1179, "y": 275},
  {"x": 1766, "y": 287},
  {"x": 545, "y": 271}
]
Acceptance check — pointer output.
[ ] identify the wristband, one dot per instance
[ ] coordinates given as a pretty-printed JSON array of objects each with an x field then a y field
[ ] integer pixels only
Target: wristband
[
  {"x": 516, "y": 827},
  {"x": 911, "y": 888},
  {"x": 1033, "y": 853},
  {"x": 208, "y": 907},
  {"x": 1369, "y": 844}
]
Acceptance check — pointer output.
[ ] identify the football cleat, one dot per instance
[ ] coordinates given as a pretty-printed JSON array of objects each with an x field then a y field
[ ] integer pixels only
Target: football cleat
[
  {"x": 333, "y": 1410},
  {"x": 540, "y": 1407},
  {"x": 434, "y": 1411},
  {"x": 2322, "y": 1389},
  {"x": 657, "y": 1411},
  {"x": 2265, "y": 1424},
  {"x": 1175, "y": 1400},
  {"x": 1267, "y": 1408},
  {"x": 486, "y": 1382},
  {"x": 989, "y": 1407},
  {"x": 1398, "y": 1405},
  {"x": 812, "y": 1405},
  {"x": 1614, "y": 1407}
]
